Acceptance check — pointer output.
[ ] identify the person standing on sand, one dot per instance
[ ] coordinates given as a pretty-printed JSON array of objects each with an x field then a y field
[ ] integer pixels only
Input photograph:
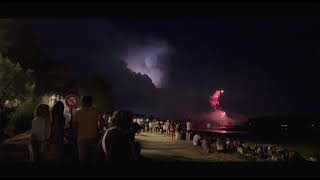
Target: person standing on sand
[
  {"x": 86, "y": 127},
  {"x": 189, "y": 128},
  {"x": 40, "y": 132},
  {"x": 56, "y": 139},
  {"x": 116, "y": 144},
  {"x": 173, "y": 130}
]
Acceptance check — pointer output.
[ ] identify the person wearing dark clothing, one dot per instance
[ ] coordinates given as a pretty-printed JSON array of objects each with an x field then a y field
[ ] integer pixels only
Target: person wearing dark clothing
[
  {"x": 1, "y": 117},
  {"x": 295, "y": 157},
  {"x": 56, "y": 138},
  {"x": 117, "y": 146},
  {"x": 136, "y": 148},
  {"x": 135, "y": 128},
  {"x": 116, "y": 143}
]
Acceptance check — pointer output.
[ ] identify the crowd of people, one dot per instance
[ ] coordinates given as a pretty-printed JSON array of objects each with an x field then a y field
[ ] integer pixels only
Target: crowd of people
[
  {"x": 93, "y": 137},
  {"x": 220, "y": 144},
  {"x": 89, "y": 136},
  {"x": 175, "y": 130}
]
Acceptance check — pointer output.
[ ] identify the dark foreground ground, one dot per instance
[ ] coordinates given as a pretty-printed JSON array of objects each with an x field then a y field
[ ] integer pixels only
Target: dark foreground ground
[
  {"x": 160, "y": 169},
  {"x": 161, "y": 158}
]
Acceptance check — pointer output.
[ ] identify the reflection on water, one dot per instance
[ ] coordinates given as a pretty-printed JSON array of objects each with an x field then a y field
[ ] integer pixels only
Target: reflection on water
[{"x": 221, "y": 122}]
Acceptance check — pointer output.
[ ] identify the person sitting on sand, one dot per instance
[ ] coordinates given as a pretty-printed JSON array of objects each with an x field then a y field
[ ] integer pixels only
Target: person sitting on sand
[
  {"x": 295, "y": 156},
  {"x": 285, "y": 155},
  {"x": 265, "y": 151},
  {"x": 270, "y": 151},
  {"x": 220, "y": 145},
  {"x": 273, "y": 156},
  {"x": 196, "y": 139},
  {"x": 258, "y": 149},
  {"x": 240, "y": 149},
  {"x": 213, "y": 146},
  {"x": 234, "y": 143},
  {"x": 228, "y": 144},
  {"x": 205, "y": 145},
  {"x": 261, "y": 156}
]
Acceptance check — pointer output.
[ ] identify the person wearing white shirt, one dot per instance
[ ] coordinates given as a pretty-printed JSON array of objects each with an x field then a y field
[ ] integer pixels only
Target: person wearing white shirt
[
  {"x": 196, "y": 139},
  {"x": 150, "y": 126},
  {"x": 220, "y": 145},
  {"x": 164, "y": 129},
  {"x": 40, "y": 131}
]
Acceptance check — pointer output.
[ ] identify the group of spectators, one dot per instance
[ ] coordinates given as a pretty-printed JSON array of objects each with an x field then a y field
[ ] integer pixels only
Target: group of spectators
[
  {"x": 220, "y": 144},
  {"x": 94, "y": 138},
  {"x": 175, "y": 130}
]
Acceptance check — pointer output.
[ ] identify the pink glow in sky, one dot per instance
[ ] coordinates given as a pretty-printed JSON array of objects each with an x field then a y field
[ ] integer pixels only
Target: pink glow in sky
[
  {"x": 214, "y": 99},
  {"x": 218, "y": 117}
]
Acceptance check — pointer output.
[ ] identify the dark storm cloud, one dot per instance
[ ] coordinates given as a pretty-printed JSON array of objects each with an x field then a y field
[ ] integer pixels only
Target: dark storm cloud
[
  {"x": 95, "y": 46},
  {"x": 149, "y": 57}
]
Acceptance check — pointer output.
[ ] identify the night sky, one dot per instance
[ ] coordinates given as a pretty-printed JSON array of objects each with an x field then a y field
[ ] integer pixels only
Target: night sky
[{"x": 169, "y": 68}]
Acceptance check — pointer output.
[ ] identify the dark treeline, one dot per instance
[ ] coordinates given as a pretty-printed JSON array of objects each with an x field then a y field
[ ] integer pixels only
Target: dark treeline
[{"x": 25, "y": 62}]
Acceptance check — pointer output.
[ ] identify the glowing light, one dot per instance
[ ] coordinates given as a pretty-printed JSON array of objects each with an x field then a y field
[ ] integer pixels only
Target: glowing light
[
  {"x": 149, "y": 59},
  {"x": 214, "y": 99},
  {"x": 218, "y": 118}
]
